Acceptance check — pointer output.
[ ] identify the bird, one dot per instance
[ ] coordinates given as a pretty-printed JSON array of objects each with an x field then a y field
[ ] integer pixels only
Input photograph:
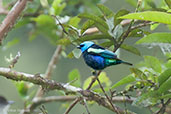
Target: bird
[
  {"x": 97, "y": 57},
  {"x": 4, "y": 105}
]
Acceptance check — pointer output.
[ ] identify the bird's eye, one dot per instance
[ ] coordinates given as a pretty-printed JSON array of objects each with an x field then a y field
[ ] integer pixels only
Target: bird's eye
[{"x": 81, "y": 45}]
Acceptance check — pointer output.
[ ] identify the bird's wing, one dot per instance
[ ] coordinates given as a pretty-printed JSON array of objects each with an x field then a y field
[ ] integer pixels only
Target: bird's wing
[{"x": 102, "y": 52}]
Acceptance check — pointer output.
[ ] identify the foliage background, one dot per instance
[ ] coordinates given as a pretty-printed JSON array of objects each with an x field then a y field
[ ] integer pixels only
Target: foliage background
[{"x": 36, "y": 54}]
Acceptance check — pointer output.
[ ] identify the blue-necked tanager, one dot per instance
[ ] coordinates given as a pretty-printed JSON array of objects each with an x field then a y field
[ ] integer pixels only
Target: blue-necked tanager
[{"x": 98, "y": 57}]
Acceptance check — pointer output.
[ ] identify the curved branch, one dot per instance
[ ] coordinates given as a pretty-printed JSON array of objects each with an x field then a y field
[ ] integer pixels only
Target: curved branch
[
  {"x": 11, "y": 18},
  {"x": 50, "y": 68},
  {"x": 52, "y": 85}
]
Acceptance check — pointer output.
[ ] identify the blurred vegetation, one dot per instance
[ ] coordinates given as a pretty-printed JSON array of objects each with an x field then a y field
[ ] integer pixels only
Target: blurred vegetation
[{"x": 149, "y": 80}]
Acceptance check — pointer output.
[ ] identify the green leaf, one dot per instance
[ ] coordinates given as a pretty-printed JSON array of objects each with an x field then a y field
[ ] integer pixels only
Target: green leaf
[
  {"x": 154, "y": 26},
  {"x": 168, "y": 2},
  {"x": 22, "y": 22},
  {"x": 154, "y": 16},
  {"x": 102, "y": 29},
  {"x": 156, "y": 38},
  {"x": 138, "y": 73},
  {"x": 164, "y": 76},
  {"x": 166, "y": 86},
  {"x": 165, "y": 96},
  {"x": 118, "y": 14},
  {"x": 94, "y": 18},
  {"x": 77, "y": 53},
  {"x": 44, "y": 3},
  {"x": 146, "y": 98},
  {"x": 57, "y": 7},
  {"x": 63, "y": 41},
  {"x": 88, "y": 81},
  {"x": 74, "y": 21},
  {"x": 22, "y": 88},
  {"x": 105, "y": 10},
  {"x": 132, "y": 2},
  {"x": 136, "y": 33},
  {"x": 86, "y": 25},
  {"x": 106, "y": 44},
  {"x": 131, "y": 49},
  {"x": 118, "y": 31},
  {"x": 128, "y": 79},
  {"x": 46, "y": 26},
  {"x": 153, "y": 63},
  {"x": 93, "y": 37},
  {"x": 45, "y": 21},
  {"x": 148, "y": 4},
  {"x": 104, "y": 79},
  {"x": 70, "y": 55},
  {"x": 11, "y": 43},
  {"x": 74, "y": 76}
]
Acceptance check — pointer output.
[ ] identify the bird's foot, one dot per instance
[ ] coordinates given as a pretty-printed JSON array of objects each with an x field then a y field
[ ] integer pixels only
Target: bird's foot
[{"x": 94, "y": 73}]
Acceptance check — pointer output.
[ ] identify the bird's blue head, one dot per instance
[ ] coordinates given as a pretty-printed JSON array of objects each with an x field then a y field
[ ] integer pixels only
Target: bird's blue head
[{"x": 85, "y": 45}]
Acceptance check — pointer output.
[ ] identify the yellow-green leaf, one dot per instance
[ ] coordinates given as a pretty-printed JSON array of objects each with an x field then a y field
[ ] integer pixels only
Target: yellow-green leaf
[
  {"x": 131, "y": 49},
  {"x": 93, "y": 37},
  {"x": 105, "y": 10},
  {"x": 156, "y": 38},
  {"x": 165, "y": 86},
  {"x": 155, "y": 16},
  {"x": 118, "y": 14},
  {"x": 94, "y": 18},
  {"x": 153, "y": 63},
  {"x": 102, "y": 77},
  {"x": 74, "y": 76},
  {"x": 87, "y": 25},
  {"x": 128, "y": 79},
  {"x": 168, "y": 2},
  {"x": 164, "y": 76}
]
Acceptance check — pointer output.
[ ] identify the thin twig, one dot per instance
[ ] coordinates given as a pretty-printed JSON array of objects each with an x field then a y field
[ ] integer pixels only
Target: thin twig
[
  {"x": 85, "y": 104},
  {"x": 53, "y": 62},
  {"x": 39, "y": 101},
  {"x": 163, "y": 107},
  {"x": 120, "y": 42},
  {"x": 60, "y": 25},
  {"x": 114, "y": 107},
  {"x": 72, "y": 105}
]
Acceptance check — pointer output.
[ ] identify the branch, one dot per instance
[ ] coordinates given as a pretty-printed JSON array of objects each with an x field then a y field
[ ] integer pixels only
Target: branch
[
  {"x": 131, "y": 29},
  {"x": 11, "y": 18},
  {"x": 52, "y": 85},
  {"x": 85, "y": 104},
  {"x": 72, "y": 105},
  {"x": 163, "y": 107},
  {"x": 113, "y": 106},
  {"x": 38, "y": 101},
  {"x": 93, "y": 80},
  {"x": 50, "y": 68}
]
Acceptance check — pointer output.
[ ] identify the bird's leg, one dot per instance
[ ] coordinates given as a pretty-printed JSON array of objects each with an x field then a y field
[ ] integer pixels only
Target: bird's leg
[{"x": 94, "y": 73}]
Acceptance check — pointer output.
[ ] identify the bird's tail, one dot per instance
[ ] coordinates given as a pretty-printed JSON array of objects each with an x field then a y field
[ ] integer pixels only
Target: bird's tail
[{"x": 127, "y": 63}]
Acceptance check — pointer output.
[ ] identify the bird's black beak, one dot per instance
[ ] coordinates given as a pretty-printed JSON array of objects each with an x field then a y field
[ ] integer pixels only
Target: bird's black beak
[{"x": 78, "y": 47}]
